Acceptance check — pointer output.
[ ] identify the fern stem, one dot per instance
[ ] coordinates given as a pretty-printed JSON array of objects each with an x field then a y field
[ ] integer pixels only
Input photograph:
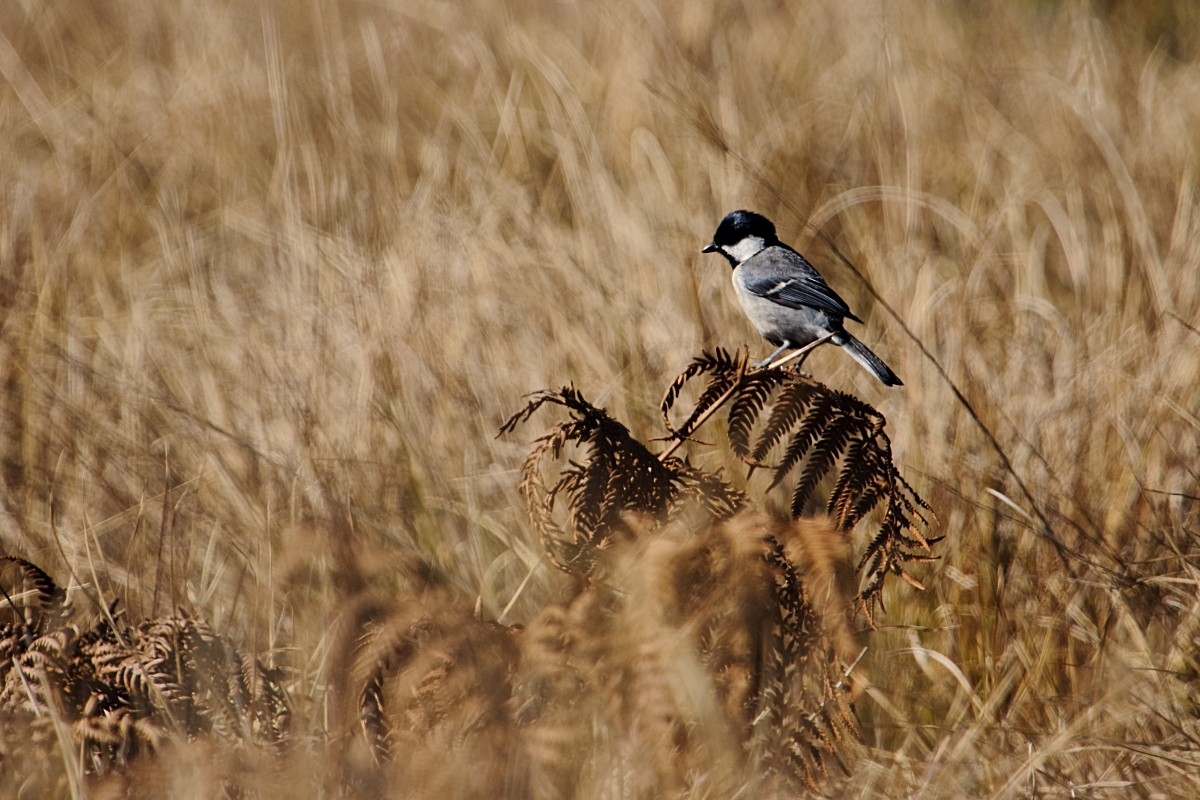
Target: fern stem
[
  {"x": 664, "y": 455},
  {"x": 808, "y": 348}
]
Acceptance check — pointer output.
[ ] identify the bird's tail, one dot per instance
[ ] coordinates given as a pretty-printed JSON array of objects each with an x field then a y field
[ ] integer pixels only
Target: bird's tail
[{"x": 871, "y": 362}]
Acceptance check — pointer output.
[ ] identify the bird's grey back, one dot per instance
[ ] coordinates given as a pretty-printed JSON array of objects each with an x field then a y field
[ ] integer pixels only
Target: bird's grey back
[{"x": 782, "y": 275}]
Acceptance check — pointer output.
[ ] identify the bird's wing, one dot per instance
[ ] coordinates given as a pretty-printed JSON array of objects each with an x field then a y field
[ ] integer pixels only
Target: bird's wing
[{"x": 786, "y": 277}]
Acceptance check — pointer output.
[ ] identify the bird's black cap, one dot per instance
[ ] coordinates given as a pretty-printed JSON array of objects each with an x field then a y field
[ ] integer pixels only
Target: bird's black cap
[{"x": 739, "y": 224}]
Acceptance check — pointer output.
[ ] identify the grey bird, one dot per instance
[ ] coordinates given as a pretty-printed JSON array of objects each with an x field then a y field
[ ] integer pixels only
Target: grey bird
[{"x": 784, "y": 295}]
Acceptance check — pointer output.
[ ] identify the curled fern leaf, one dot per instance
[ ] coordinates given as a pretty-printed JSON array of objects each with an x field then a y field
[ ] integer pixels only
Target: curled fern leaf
[
  {"x": 48, "y": 595},
  {"x": 724, "y": 372},
  {"x": 617, "y": 475}
]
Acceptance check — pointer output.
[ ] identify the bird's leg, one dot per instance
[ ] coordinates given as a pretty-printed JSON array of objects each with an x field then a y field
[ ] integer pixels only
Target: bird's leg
[{"x": 770, "y": 358}]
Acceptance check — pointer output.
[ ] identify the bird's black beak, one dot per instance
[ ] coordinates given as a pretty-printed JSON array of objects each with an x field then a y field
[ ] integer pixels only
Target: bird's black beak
[{"x": 709, "y": 248}]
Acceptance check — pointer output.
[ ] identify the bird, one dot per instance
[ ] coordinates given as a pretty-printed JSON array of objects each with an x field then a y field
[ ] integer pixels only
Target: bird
[{"x": 783, "y": 294}]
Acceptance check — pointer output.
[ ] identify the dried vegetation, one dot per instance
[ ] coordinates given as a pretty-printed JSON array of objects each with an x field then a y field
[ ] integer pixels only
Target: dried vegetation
[{"x": 272, "y": 274}]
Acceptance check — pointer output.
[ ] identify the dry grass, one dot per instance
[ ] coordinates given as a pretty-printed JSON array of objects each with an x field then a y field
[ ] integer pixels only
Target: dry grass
[{"x": 273, "y": 273}]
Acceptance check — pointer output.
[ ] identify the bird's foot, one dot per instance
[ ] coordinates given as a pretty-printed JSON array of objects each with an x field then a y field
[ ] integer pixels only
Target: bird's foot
[{"x": 766, "y": 361}]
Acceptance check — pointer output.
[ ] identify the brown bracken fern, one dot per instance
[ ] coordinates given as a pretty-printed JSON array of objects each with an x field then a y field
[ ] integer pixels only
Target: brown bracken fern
[
  {"x": 698, "y": 636},
  {"x": 818, "y": 433},
  {"x": 617, "y": 476},
  {"x": 814, "y": 432},
  {"x": 124, "y": 690},
  {"x": 763, "y": 606}
]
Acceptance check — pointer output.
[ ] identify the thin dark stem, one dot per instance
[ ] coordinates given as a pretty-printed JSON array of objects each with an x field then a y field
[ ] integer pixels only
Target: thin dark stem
[{"x": 776, "y": 364}]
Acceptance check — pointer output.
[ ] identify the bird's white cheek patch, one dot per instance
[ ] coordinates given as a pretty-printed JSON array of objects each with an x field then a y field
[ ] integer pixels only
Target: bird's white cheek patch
[{"x": 746, "y": 248}]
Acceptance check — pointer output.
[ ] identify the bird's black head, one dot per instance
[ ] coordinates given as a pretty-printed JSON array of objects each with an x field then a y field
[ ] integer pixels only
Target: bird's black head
[{"x": 737, "y": 227}]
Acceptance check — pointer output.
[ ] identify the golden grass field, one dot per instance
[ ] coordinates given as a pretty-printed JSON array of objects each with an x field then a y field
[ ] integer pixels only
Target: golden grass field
[{"x": 272, "y": 275}]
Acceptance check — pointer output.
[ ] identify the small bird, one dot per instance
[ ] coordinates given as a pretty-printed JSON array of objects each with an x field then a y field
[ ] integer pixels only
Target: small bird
[{"x": 784, "y": 295}]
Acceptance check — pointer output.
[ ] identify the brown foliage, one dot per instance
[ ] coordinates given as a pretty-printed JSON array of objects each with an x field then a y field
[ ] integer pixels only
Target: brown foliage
[
  {"x": 123, "y": 691},
  {"x": 256, "y": 257},
  {"x": 822, "y": 433},
  {"x": 701, "y": 637},
  {"x": 698, "y": 648}
]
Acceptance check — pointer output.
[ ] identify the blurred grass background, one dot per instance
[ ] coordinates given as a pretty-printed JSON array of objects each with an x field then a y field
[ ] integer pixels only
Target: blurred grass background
[{"x": 272, "y": 273}]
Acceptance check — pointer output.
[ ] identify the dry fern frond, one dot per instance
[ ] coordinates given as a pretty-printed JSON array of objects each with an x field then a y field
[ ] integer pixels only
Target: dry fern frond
[
  {"x": 435, "y": 698},
  {"x": 554, "y": 707},
  {"x": 618, "y": 476},
  {"x": 696, "y": 641},
  {"x": 804, "y": 717},
  {"x": 723, "y": 370},
  {"x": 47, "y": 596},
  {"x": 272, "y": 705},
  {"x": 428, "y": 668},
  {"x": 898, "y": 542},
  {"x": 752, "y": 395},
  {"x": 617, "y": 682},
  {"x": 124, "y": 691},
  {"x": 823, "y": 433}
]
